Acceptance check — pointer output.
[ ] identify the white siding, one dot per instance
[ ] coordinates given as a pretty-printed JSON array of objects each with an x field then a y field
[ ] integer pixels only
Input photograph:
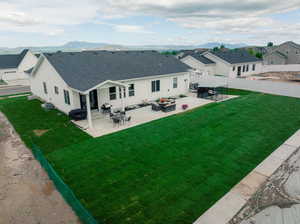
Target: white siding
[
  {"x": 143, "y": 90},
  {"x": 8, "y": 74},
  {"x": 46, "y": 73},
  {"x": 258, "y": 69},
  {"x": 226, "y": 69},
  {"x": 28, "y": 62},
  {"x": 200, "y": 67}
]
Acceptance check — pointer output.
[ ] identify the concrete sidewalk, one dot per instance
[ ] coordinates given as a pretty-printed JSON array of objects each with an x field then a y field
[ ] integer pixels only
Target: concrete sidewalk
[{"x": 227, "y": 207}]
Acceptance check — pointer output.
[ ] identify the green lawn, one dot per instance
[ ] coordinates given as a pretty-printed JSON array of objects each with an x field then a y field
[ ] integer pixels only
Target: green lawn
[
  {"x": 167, "y": 171},
  {"x": 28, "y": 116}
]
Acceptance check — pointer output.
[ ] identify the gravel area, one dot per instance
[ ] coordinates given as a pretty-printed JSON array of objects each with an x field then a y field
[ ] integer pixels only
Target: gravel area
[
  {"x": 27, "y": 195},
  {"x": 293, "y": 77},
  {"x": 277, "y": 200}
]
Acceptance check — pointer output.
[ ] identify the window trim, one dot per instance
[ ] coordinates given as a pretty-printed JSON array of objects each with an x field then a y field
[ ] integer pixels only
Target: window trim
[
  {"x": 112, "y": 95},
  {"x": 175, "y": 84},
  {"x": 131, "y": 91},
  {"x": 155, "y": 86},
  {"x": 247, "y": 68},
  {"x": 45, "y": 87},
  {"x": 56, "y": 91},
  {"x": 253, "y": 67},
  {"x": 67, "y": 97}
]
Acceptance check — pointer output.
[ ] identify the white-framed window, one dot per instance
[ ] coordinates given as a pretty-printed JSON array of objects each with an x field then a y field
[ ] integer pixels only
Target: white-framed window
[
  {"x": 112, "y": 93},
  {"x": 56, "y": 90},
  {"x": 253, "y": 67},
  {"x": 244, "y": 68},
  {"x": 175, "y": 83},
  {"x": 247, "y": 68},
  {"x": 233, "y": 69},
  {"x": 155, "y": 86},
  {"x": 45, "y": 88},
  {"x": 67, "y": 97},
  {"x": 131, "y": 91}
]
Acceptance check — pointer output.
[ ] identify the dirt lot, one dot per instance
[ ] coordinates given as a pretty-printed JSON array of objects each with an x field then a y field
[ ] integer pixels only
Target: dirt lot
[
  {"x": 27, "y": 195},
  {"x": 293, "y": 77}
]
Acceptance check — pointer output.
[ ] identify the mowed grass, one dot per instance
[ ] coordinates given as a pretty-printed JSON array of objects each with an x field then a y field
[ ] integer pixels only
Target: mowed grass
[
  {"x": 28, "y": 117},
  {"x": 173, "y": 169}
]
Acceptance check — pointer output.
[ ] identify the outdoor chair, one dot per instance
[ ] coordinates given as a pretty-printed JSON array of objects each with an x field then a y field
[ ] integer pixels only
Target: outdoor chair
[
  {"x": 116, "y": 121},
  {"x": 156, "y": 107}
]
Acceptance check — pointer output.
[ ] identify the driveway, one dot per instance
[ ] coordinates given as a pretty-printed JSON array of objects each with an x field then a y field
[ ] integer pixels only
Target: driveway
[
  {"x": 27, "y": 195},
  {"x": 9, "y": 90}
]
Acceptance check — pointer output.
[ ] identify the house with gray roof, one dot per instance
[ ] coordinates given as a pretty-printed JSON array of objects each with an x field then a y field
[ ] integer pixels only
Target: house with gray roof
[
  {"x": 90, "y": 79},
  {"x": 284, "y": 54},
  {"x": 13, "y": 66},
  {"x": 230, "y": 63}
]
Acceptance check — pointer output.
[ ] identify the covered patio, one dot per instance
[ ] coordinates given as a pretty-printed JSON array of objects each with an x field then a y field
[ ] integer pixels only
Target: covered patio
[{"x": 103, "y": 125}]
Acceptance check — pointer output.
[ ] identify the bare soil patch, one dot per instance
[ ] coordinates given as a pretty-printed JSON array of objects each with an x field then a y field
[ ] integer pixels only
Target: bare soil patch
[
  {"x": 39, "y": 132},
  {"x": 27, "y": 195},
  {"x": 281, "y": 76}
]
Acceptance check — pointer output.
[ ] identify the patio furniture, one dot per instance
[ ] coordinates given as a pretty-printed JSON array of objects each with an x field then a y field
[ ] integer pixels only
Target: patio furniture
[
  {"x": 168, "y": 107},
  {"x": 106, "y": 108},
  {"x": 78, "y": 114},
  {"x": 116, "y": 120},
  {"x": 155, "y": 107}
]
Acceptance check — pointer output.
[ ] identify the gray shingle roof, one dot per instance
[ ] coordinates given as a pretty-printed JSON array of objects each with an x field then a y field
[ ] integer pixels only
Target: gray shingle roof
[
  {"x": 84, "y": 70},
  {"x": 10, "y": 61},
  {"x": 202, "y": 58},
  {"x": 236, "y": 56}
]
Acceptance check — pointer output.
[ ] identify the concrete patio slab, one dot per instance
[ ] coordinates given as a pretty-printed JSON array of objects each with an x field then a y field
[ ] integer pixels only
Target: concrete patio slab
[{"x": 103, "y": 125}]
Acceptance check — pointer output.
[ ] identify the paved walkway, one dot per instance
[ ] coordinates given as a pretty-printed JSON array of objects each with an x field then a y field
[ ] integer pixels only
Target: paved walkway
[
  {"x": 265, "y": 86},
  {"x": 262, "y": 189}
]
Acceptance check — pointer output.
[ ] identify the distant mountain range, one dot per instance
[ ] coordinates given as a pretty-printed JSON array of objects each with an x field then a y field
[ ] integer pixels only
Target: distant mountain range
[{"x": 81, "y": 45}]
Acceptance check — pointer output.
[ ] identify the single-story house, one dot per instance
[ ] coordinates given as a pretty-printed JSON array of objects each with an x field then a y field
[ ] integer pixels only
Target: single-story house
[
  {"x": 231, "y": 63},
  {"x": 285, "y": 53},
  {"x": 13, "y": 66},
  {"x": 89, "y": 79}
]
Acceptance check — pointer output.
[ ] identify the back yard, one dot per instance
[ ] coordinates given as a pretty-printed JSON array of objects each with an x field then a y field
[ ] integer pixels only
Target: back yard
[{"x": 167, "y": 171}]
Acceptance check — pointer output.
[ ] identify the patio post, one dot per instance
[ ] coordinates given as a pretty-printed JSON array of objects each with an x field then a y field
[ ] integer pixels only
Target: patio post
[
  {"x": 123, "y": 98},
  {"x": 88, "y": 108}
]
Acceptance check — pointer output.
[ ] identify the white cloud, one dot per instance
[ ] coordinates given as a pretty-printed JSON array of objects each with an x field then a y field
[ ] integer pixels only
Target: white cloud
[
  {"x": 131, "y": 29},
  {"x": 249, "y": 18},
  {"x": 219, "y": 18},
  {"x": 46, "y": 17}
]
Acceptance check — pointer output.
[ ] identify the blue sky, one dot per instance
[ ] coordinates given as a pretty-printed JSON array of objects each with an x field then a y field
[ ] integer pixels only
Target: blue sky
[{"x": 140, "y": 22}]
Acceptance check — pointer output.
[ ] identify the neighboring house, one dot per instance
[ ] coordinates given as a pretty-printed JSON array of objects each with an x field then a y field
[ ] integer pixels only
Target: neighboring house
[
  {"x": 286, "y": 53},
  {"x": 184, "y": 53},
  {"x": 90, "y": 79},
  {"x": 13, "y": 66},
  {"x": 201, "y": 64},
  {"x": 232, "y": 63}
]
